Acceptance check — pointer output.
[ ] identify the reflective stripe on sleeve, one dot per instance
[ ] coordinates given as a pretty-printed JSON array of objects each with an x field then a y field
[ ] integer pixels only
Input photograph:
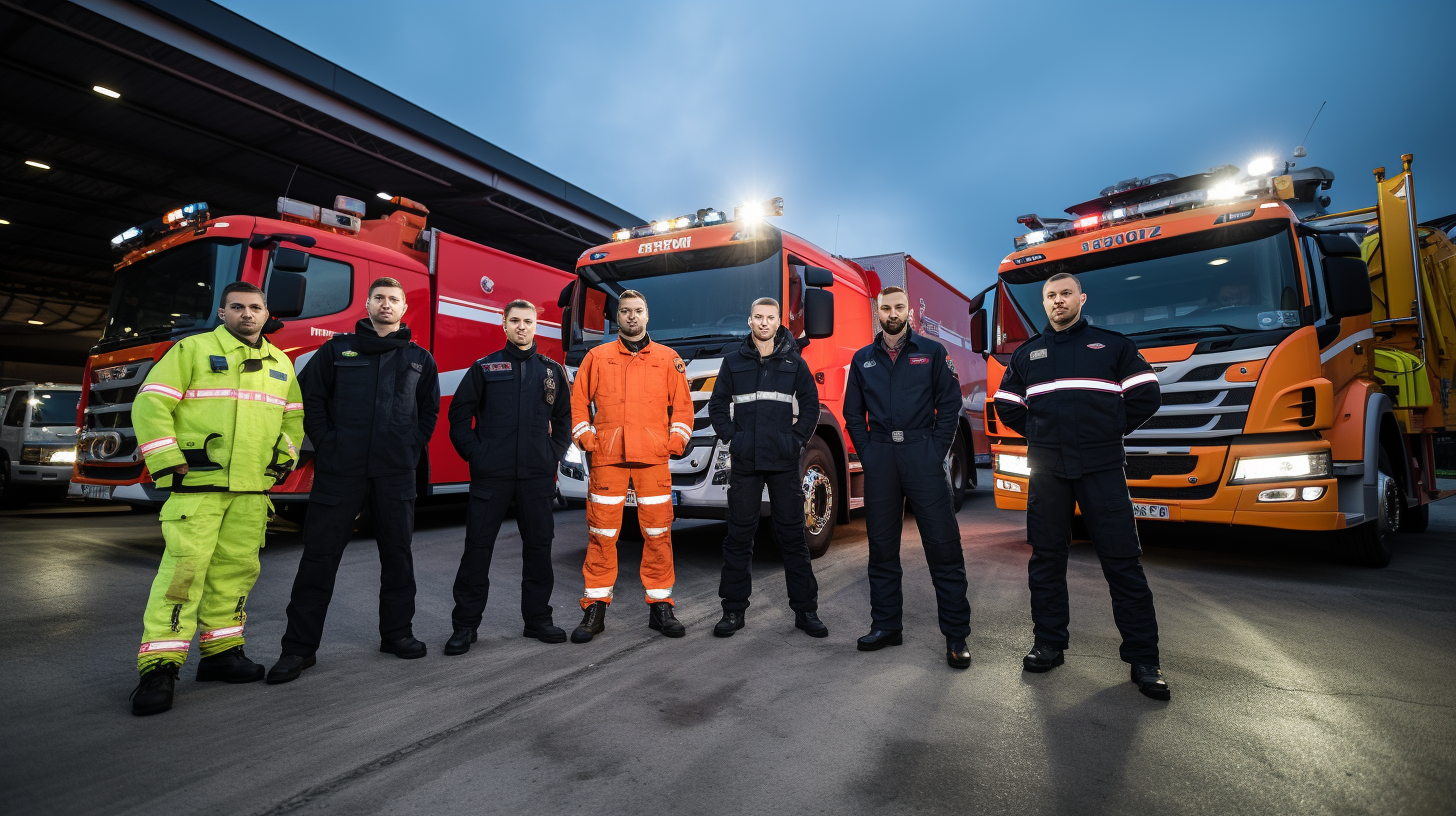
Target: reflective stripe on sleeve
[
  {"x": 164, "y": 390},
  {"x": 293, "y": 406},
  {"x": 158, "y": 444},
  {"x": 774, "y": 396},
  {"x": 164, "y": 646},
  {"x": 581, "y": 429},
  {"x": 1139, "y": 379},
  {"x": 218, "y": 634},
  {"x": 1009, "y": 397},
  {"x": 654, "y": 499}
]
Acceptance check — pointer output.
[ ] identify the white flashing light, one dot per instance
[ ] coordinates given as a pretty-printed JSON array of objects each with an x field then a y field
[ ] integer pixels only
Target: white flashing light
[
  {"x": 622, "y": 235},
  {"x": 1262, "y": 166},
  {"x": 1035, "y": 237},
  {"x": 126, "y": 236},
  {"x": 1226, "y": 190},
  {"x": 104, "y": 91},
  {"x": 713, "y": 217},
  {"x": 37, "y": 165},
  {"x": 660, "y": 227},
  {"x": 682, "y": 222}
]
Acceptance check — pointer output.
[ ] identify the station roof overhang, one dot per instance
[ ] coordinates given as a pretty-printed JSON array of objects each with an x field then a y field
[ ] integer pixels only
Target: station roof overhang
[{"x": 216, "y": 108}]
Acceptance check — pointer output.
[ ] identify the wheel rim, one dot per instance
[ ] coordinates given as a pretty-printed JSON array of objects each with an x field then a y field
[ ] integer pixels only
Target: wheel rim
[
  {"x": 818, "y": 499},
  {"x": 1389, "y": 504}
]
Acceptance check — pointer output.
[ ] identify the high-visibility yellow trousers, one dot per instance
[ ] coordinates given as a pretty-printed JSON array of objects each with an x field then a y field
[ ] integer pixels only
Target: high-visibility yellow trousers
[{"x": 207, "y": 571}]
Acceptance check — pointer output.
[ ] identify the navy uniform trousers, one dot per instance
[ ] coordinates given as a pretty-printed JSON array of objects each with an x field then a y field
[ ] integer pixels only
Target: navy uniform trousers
[
  {"x": 897, "y": 473},
  {"x": 1107, "y": 511},
  {"x": 489, "y": 500}
]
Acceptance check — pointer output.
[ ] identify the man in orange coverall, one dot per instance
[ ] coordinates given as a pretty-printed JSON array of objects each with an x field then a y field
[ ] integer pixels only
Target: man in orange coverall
[{"x": 644, "y": 414}]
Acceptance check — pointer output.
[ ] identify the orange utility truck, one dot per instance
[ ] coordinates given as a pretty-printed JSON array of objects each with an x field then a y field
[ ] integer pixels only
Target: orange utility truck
[
  {"x": 700, "y": 272},
  {"x": 1305, "y": 358},
  {"x": 316, "y": 265}
]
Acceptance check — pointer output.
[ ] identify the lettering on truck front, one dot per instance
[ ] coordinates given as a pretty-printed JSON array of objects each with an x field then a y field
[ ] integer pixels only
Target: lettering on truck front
[{"x": 648, "y": 247}]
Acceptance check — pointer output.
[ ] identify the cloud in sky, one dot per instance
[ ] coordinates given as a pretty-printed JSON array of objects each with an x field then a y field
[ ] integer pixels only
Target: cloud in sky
[{"x": 919, "y": 127}]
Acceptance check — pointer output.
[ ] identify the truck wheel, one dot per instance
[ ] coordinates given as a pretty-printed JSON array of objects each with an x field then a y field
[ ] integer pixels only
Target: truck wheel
[
  {"x": 960, "y": 473},
  {"x": 821, "y": 496},
  {"x": 1370, "y": 544}
]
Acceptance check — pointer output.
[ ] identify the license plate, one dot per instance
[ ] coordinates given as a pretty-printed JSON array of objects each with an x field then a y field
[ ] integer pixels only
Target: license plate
[
  {"x": 1149, "y": 511},
  {"x": 90, "y": 491}
]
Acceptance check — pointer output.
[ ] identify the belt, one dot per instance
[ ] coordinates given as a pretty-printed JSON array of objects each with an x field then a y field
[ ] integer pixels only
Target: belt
[{"x": 901, "y": 436}]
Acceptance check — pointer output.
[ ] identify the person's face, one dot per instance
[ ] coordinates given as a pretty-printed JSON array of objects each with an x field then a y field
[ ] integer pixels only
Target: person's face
[
  {"x": 520, "y": 327},
  {"x": 764, "y": 322},
  {"x": 386, "y": 306},
  {"x": 244, "y": 314},
  {"x": 1063, "y": 302},
  {"x": 894, "y": 312},
  {"x": 632, "y": 317}
]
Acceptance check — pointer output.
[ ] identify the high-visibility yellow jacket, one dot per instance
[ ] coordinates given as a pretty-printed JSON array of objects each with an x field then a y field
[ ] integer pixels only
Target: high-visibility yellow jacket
[{"x": 226, "y": 410}]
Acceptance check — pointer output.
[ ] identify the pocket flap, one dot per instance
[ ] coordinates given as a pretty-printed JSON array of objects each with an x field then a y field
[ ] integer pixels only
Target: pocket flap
[{"x": 180, "y": 506}]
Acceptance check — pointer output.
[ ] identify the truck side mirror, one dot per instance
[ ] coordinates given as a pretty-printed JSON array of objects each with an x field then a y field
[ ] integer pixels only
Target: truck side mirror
[
  {"x": 565, "y": 297},
  {"x": 818, "y": 313},
  {"x": 818, "y": 276},
  {"x": 978, "y": 331},
  {"x": 1347, "y": 286},
  {"x": 286, "y": 290},
  {"x": 290, "y": 260}
]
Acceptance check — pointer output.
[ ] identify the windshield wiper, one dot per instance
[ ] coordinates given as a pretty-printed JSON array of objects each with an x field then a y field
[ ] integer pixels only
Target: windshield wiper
[{"x": 1188, "y": 330}]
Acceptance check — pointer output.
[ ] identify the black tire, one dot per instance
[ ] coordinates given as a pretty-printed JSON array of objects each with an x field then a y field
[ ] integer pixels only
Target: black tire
[
  {"x": 1371, "y": 543},
  {"x": 960, "y": 473},
  {"x": 1415, "y": 520},
  {"x": 821, "y": 496}
]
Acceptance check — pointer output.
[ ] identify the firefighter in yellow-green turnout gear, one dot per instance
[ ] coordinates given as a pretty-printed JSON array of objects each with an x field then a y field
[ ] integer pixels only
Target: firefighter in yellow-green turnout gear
[{"x": 218, "y": 419}]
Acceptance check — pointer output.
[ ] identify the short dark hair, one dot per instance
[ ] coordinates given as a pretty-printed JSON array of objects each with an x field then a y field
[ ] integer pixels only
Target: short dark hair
[
  {"x": 380, "y": 283},
  {"x": 766, "y": 301},
  {"x": 242, "y": 286},
  {"x": 518, "y": 304},
  {"x": 1063, "y": 276},
  {"x": 890, "y": 290},
  {"x": 631, "y": 293}
]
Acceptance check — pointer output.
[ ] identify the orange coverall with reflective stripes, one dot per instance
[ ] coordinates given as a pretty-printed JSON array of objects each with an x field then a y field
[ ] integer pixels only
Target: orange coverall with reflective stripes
[{"x": 643, "y": 415}]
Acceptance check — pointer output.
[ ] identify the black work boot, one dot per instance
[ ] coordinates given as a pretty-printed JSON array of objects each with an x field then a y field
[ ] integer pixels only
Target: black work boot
[
  {"x": 957, "y": 653},
  {"x": 732, "y": 621},
  {"x": 546, "y": 632},
  {"x": 405, "y": 648},
  {"x": 592, "y": 622},
  {"x": 229, "y": 666},
  {"x": 878, "y": 639},
  {"x": 660, "y": 617},
  {"x": 1042, "y": 658},
  {"x": 153, "y": 694},
  {"x": 289, "y": 667},
  {"x": 1149, "y": 680},
  {"x": 459, "y": 643},
  {"x": 810, "y": 623}
]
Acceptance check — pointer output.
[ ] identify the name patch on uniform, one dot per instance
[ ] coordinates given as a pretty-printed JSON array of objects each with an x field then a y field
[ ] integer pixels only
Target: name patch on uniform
[
  {"x": 919, "y": 360},
  {"x": 417, "y": 366},
  {"x": 1095, "y": 346},
  {"x": 496, "y": 366},
  {"x": 869, "y": 364},
  {"x": 1039, "y": 354},
  {"x": 277, "y": 375}
]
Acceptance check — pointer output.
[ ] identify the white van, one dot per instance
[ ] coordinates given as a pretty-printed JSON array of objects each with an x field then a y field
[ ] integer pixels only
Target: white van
[{"x": 37, "y": 437}]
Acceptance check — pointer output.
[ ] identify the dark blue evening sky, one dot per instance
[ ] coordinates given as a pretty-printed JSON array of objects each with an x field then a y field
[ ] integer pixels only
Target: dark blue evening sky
[{"x": 922, "y": 127}]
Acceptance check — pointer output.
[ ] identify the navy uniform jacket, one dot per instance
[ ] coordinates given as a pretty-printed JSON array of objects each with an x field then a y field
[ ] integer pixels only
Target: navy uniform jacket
[
  {"x": 511, "y": 415},
  {"x": 370, "y": 403},
  {"x": 762, "y": 433},
  {"x": 1074, "y": 395},
  {"x": 918, "y": 394}
]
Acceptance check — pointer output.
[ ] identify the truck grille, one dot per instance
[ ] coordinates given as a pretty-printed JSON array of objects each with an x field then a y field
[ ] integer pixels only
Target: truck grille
[
  {"x": 1175, "y": 493},
  {"x": 1140, "y": 468}
]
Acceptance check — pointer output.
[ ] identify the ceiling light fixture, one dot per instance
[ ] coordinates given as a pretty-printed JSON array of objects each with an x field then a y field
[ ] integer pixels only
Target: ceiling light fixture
[
  {"x": 37, "y": 165},
  {"x": 104, "y": 91}
]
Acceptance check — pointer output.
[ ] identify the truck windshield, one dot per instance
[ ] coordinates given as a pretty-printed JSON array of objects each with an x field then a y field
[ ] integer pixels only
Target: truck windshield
[
  {"x": 53, "y": 407},
  {"x": 175, "y": 289},
  {"x": 1225, "y": 281},
  {"x": 697, "y": 295}
]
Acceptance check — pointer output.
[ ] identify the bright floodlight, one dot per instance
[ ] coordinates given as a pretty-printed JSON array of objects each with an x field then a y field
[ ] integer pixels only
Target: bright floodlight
[
  {"x": 1225, "y": 190},
  {"x": 1262, "y": 166}
]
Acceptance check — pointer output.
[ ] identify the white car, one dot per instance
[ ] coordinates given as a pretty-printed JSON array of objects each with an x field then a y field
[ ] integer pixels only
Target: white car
[{"x": 37, "y": 437}]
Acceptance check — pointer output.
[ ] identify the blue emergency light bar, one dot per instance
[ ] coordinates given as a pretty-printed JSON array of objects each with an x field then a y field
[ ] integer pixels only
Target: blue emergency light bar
[{"x": 180, "y": 218}]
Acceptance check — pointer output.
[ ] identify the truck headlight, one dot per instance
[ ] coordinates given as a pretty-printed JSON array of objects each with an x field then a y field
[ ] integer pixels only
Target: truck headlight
[
  {"x": 1013, "y": 464},
  {"x": 1281, "y": 468},
  {"x": 65, "y": 456}
]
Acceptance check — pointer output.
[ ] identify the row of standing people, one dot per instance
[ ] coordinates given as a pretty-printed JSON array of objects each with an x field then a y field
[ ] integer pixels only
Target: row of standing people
[{"x": 369, "y": 402}]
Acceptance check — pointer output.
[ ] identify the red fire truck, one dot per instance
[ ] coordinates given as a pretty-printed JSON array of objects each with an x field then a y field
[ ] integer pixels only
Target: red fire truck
[
  {"x": 699, "y": 273},
  {"x": 316, "y": 264}
]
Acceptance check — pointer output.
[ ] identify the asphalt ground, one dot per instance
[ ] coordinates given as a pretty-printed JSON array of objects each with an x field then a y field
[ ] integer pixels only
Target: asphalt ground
[{"x": 1300, "y": 685}]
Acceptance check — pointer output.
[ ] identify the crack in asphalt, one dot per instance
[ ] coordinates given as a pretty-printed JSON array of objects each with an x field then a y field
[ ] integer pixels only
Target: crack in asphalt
[{"x": 1355, "y": 694}]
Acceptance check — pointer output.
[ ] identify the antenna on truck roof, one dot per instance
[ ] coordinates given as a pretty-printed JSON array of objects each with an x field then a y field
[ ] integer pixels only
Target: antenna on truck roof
[{"x": 1299, "y": 152}]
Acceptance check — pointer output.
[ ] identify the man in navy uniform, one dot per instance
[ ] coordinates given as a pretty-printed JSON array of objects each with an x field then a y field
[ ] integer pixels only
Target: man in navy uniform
[
  {"x": 761, "y": 383},
  {"x": 511, "y": 420},
  {"x": 1074, "y": 392},
  {"x": 901, "y": 405}
]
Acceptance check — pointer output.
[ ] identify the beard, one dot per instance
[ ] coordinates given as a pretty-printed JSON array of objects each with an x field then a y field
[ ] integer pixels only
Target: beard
[{"x": 892, "y": 326}]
